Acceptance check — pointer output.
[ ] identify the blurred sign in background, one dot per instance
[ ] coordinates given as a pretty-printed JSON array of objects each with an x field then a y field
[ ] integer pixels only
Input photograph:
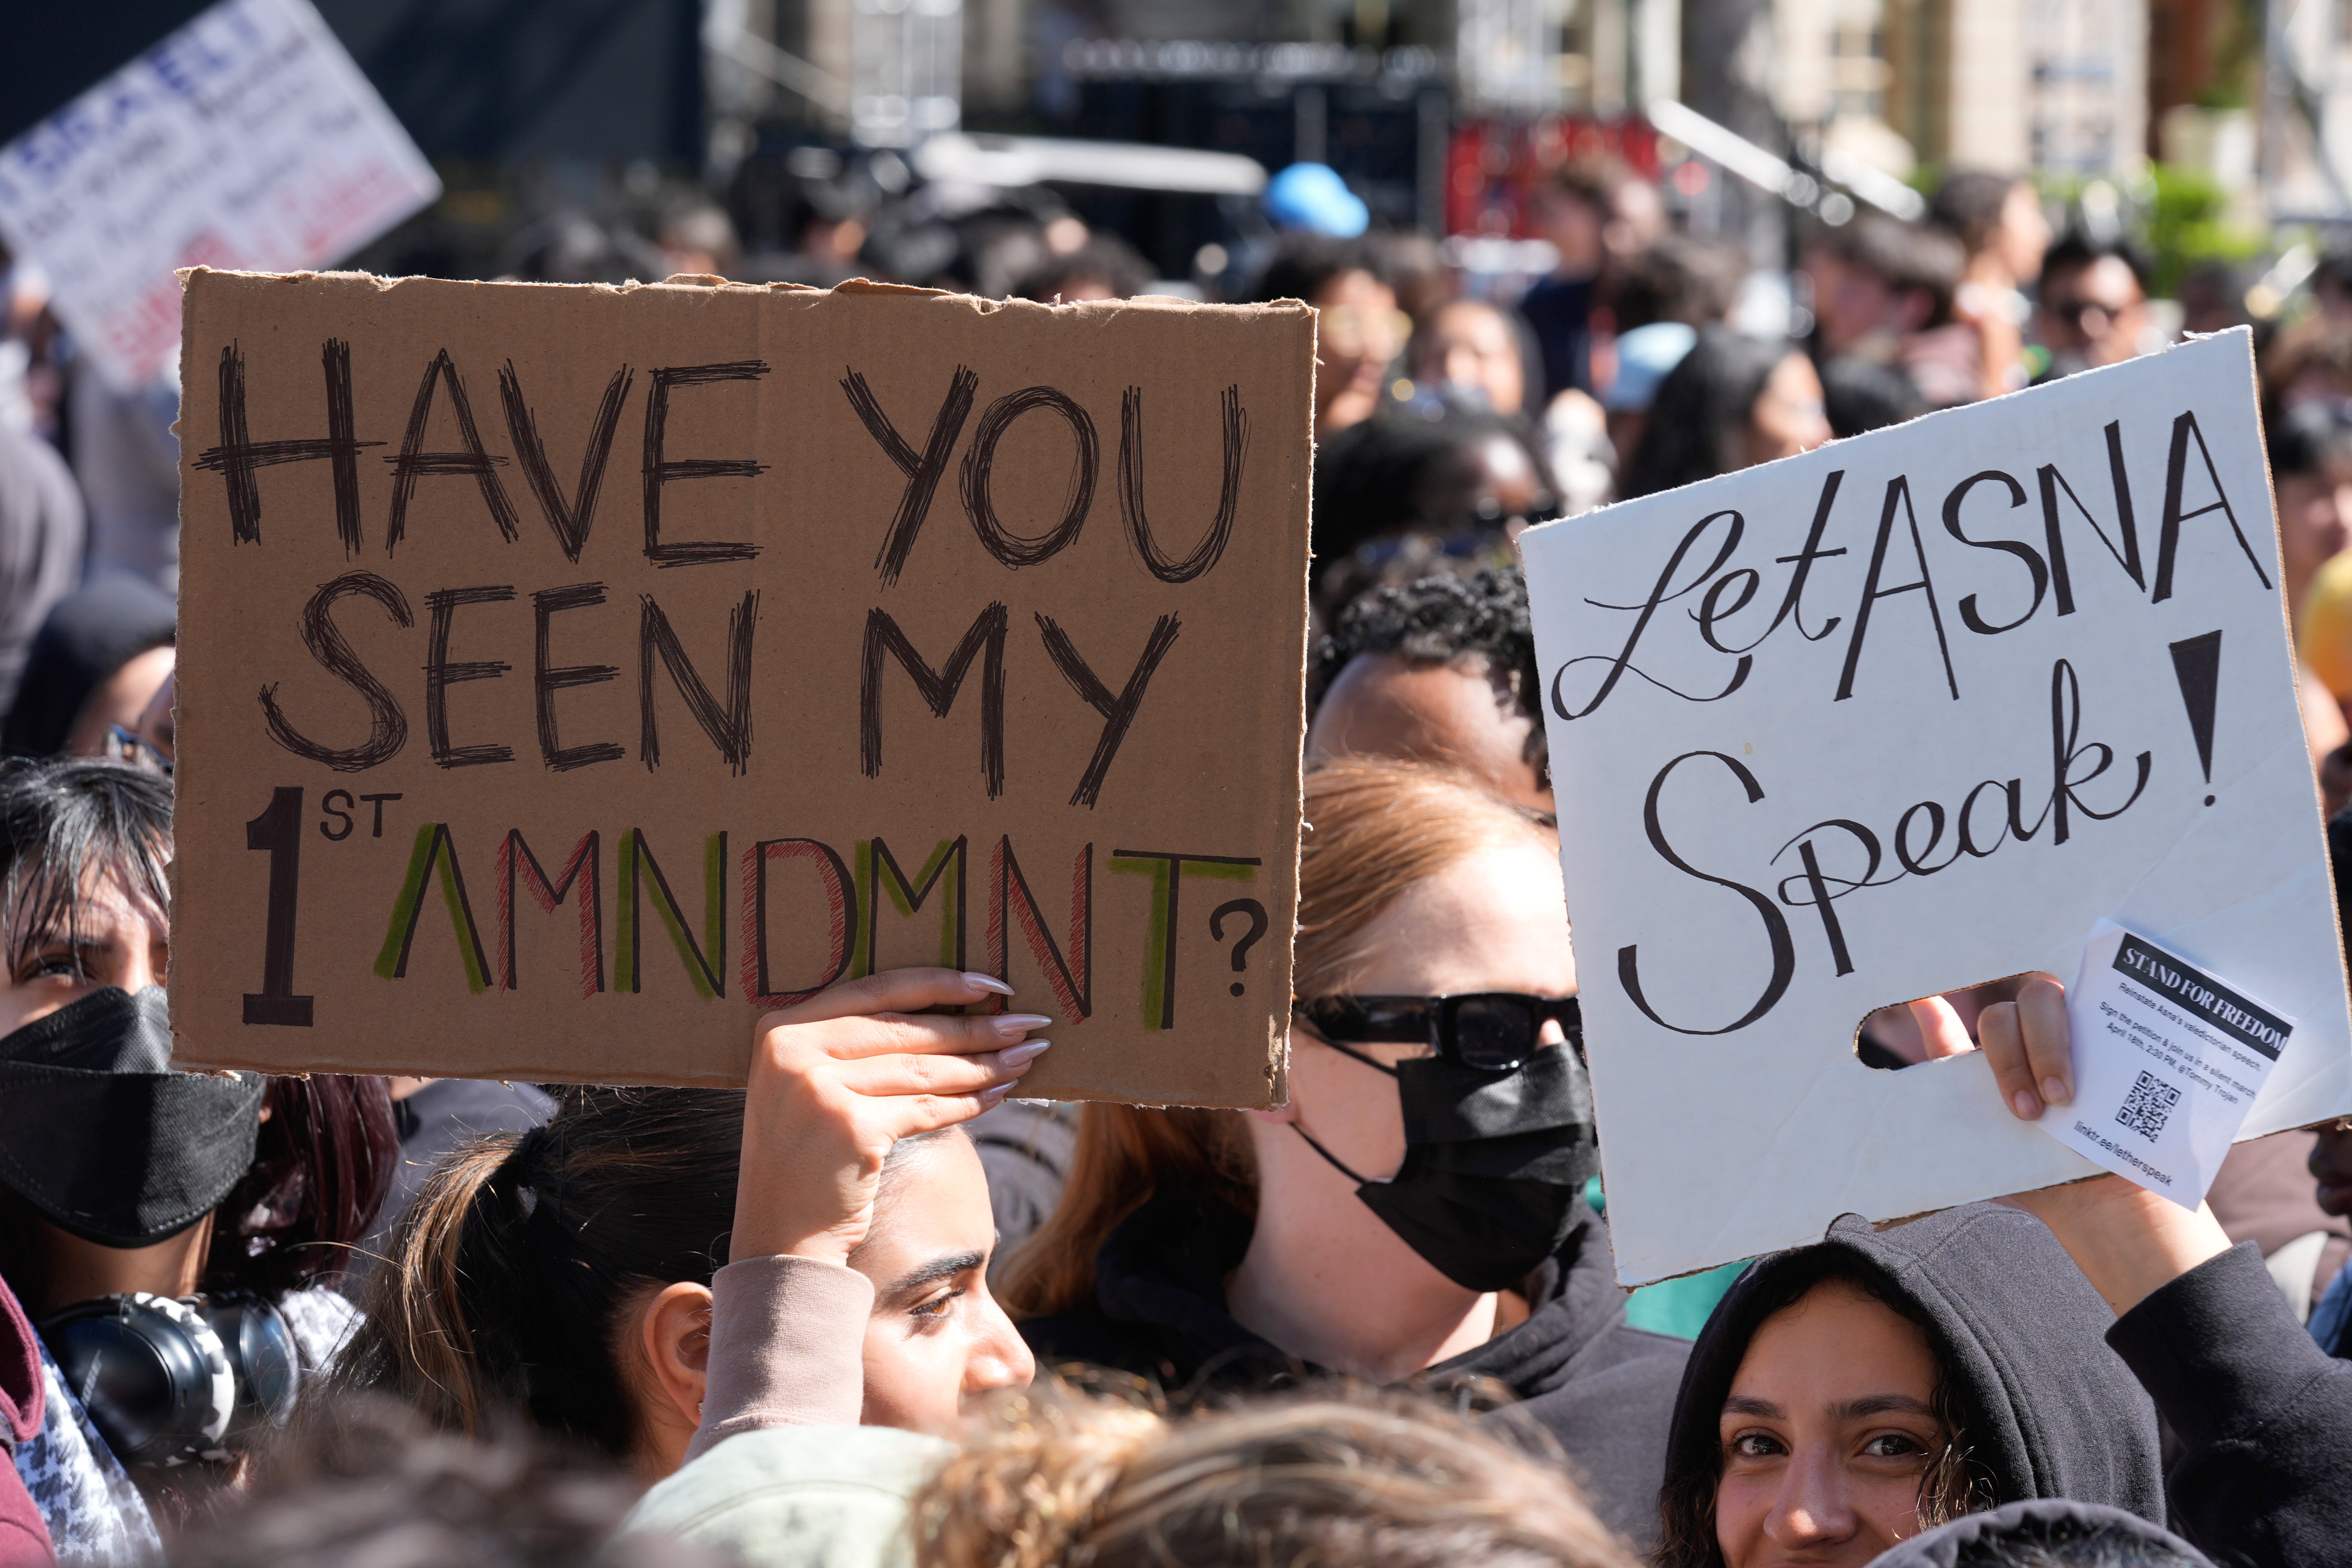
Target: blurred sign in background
[{"x": 246, "y": 140}]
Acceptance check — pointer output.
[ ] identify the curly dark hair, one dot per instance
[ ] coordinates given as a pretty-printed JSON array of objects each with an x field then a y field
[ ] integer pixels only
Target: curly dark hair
[{"x": 1436, "y": 620}]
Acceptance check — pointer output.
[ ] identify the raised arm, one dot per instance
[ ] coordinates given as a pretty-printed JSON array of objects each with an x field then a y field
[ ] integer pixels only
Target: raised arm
[
  {"x": 835, "y": 1082},
  {"x": 2263, "y": 1415}
]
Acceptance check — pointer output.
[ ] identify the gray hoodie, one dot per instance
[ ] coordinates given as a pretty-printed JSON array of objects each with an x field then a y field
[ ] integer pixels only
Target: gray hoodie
[{"x": 2049, "y": 1410}]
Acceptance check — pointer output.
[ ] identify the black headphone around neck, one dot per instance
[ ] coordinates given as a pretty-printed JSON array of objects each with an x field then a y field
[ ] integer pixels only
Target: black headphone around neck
[{"x": 168, "y": 1381}]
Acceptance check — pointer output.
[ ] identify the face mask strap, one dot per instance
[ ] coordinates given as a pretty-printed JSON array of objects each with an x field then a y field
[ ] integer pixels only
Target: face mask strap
[
  {"x": 1327, "y": 1154},
  {"x": 1377, "y": 1066}
]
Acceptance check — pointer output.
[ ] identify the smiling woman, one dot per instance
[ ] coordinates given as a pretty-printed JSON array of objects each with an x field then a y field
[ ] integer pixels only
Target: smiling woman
[
  {"x": 1850, "y": 1394},
  {"x": 1841, "y": 1423}
]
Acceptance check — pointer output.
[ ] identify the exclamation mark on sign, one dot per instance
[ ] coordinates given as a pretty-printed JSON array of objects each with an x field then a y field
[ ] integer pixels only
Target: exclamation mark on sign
[{"x": 2197, "y": 665}]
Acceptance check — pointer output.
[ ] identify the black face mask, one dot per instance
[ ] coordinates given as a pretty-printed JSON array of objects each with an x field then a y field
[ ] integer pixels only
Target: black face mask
[
  {"x": 1493, "y": 1163},
  {"x": 100, "y": 1137}
]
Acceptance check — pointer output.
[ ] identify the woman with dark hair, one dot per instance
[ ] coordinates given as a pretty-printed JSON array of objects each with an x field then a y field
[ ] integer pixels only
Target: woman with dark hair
[
  {"x": 94, "y": 668},
  {"x": 1998, "y": 220},
  {"x": 204, "y": 1238},
  {"x": 608, "y": 1275},
  {"x": 1402, "y": 497},
  {"x": 1359, "y": 329},
  {"x": 1850, "y": 1395},
  {"x": 1847, "y": 1396},
  {"x": 1733, "y": 402}
]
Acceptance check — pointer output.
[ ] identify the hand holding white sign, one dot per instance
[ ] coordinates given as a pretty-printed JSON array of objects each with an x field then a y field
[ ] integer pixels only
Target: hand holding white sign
[{"x": 2127, "y": 1239}]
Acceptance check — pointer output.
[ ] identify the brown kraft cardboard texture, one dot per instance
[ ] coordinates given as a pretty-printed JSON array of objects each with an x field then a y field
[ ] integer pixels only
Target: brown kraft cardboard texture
[{"x": 569, "y": 675}]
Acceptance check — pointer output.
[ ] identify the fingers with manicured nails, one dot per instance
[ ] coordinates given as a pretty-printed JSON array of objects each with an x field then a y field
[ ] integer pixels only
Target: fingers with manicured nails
[
  {"x": 837, "y": 1081},
  {"x": 1941, "y": 1027},
  {"x": 944, "y": 1033},
  {"x": 891, "y": 991},
  {"x": 2049, "y": 1050},
  {"x": 883, "y": 1077}
]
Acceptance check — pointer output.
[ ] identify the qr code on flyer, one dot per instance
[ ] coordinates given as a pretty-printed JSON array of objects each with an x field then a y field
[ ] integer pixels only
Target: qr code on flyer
[{"x": 2148, "y": 1106}]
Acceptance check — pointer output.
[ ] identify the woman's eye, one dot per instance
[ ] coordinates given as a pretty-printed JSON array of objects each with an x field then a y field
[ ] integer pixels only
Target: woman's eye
[
  {"x": 1756, "y": 1445},
  {"x": 936, "y": 1306},
  {"x": 1894, "y": 1446},
  {"x": 61, "y": 962}
]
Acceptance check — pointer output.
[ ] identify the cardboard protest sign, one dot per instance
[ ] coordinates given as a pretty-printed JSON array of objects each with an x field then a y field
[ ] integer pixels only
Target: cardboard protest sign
[
  {"x": 1903, "y": 715},
  {"x": 249, "y": 138},
  {"x": 569, "y": 674}
]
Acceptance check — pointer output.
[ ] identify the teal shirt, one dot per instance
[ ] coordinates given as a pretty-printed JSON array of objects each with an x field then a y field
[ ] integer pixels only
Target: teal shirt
[{"x": 1677, "y": 1306}]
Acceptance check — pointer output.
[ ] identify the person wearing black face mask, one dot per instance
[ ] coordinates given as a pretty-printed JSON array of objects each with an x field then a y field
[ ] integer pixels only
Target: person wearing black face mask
[
  {"x": 1414, "y": 1215},
  {"x": 173, "y": 1236}
]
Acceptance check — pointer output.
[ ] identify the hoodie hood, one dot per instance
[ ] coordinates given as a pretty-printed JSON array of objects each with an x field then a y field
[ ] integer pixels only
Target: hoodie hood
[
  {"x": 2040, "y": 1523},
  {"x": 2051, "y": 1411},
  {"x": 1163, "y": 1269}
]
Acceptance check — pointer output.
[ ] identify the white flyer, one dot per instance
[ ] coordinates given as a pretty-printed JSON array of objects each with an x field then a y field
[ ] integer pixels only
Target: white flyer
[
  {"x": 249, "y": 139},
  {"x": 2167, "y": 1060}
]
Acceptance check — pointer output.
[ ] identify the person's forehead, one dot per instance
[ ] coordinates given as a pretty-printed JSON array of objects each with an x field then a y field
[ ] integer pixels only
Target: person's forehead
[
  {"x": 1456, "y": 692},
  {"x": 106, "y": 901},
  {"x": 1503, "y": 457},
  {"x": 1462, "y": 318},
  {"x": 1352, "y": 286},
  {"x": 933, "y": 1202},
  {"x": 2110, "y": 276},
  {"x": 1836, "y": 1333},
  {"x": 1637, "y": 198},
  {"x": 1492, "y": 920},
  {"x": 1383, "y": 704}
]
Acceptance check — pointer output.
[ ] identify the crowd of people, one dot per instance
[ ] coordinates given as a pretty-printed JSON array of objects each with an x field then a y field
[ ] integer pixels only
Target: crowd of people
[{"x": 877, "y": 1309}]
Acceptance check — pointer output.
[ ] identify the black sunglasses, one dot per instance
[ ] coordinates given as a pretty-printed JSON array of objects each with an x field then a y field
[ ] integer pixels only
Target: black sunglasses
[
  {"x": 1492, "y": 513},
  {"x": 1491, "y": 1031}
]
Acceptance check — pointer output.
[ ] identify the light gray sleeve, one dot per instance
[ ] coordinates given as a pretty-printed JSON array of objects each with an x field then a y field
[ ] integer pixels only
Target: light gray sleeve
[{"x": 787, "y": 1341}]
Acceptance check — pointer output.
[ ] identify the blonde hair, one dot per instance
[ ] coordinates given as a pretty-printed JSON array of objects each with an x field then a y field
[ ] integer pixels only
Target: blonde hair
[
  {"x": 1051, "y": 1477},
  {"x": 1374, "y": 829}
]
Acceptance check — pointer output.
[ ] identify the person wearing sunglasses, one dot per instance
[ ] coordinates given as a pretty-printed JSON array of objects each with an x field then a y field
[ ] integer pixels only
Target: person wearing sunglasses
[
  {"x": 2094, "y": 307},
  {"x": 1414, "y": 1214}
]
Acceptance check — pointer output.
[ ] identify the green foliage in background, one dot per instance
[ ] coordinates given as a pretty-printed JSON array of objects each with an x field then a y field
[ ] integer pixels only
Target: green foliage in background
[{"x": 2183, "y": 225}]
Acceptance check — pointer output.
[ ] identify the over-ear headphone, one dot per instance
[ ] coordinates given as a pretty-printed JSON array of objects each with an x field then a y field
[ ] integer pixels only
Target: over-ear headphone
[{"x": 169, "y": 1382}]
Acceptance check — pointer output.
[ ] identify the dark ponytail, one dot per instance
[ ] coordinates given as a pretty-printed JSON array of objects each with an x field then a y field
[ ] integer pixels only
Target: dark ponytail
[{"x": 513, "y": 1277}]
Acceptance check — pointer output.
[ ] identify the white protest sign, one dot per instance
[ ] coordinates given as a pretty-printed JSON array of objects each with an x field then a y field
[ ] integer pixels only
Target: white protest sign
[
  {"x": 246, "y": 140},
  {"x": 1898, "y": 717}
]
